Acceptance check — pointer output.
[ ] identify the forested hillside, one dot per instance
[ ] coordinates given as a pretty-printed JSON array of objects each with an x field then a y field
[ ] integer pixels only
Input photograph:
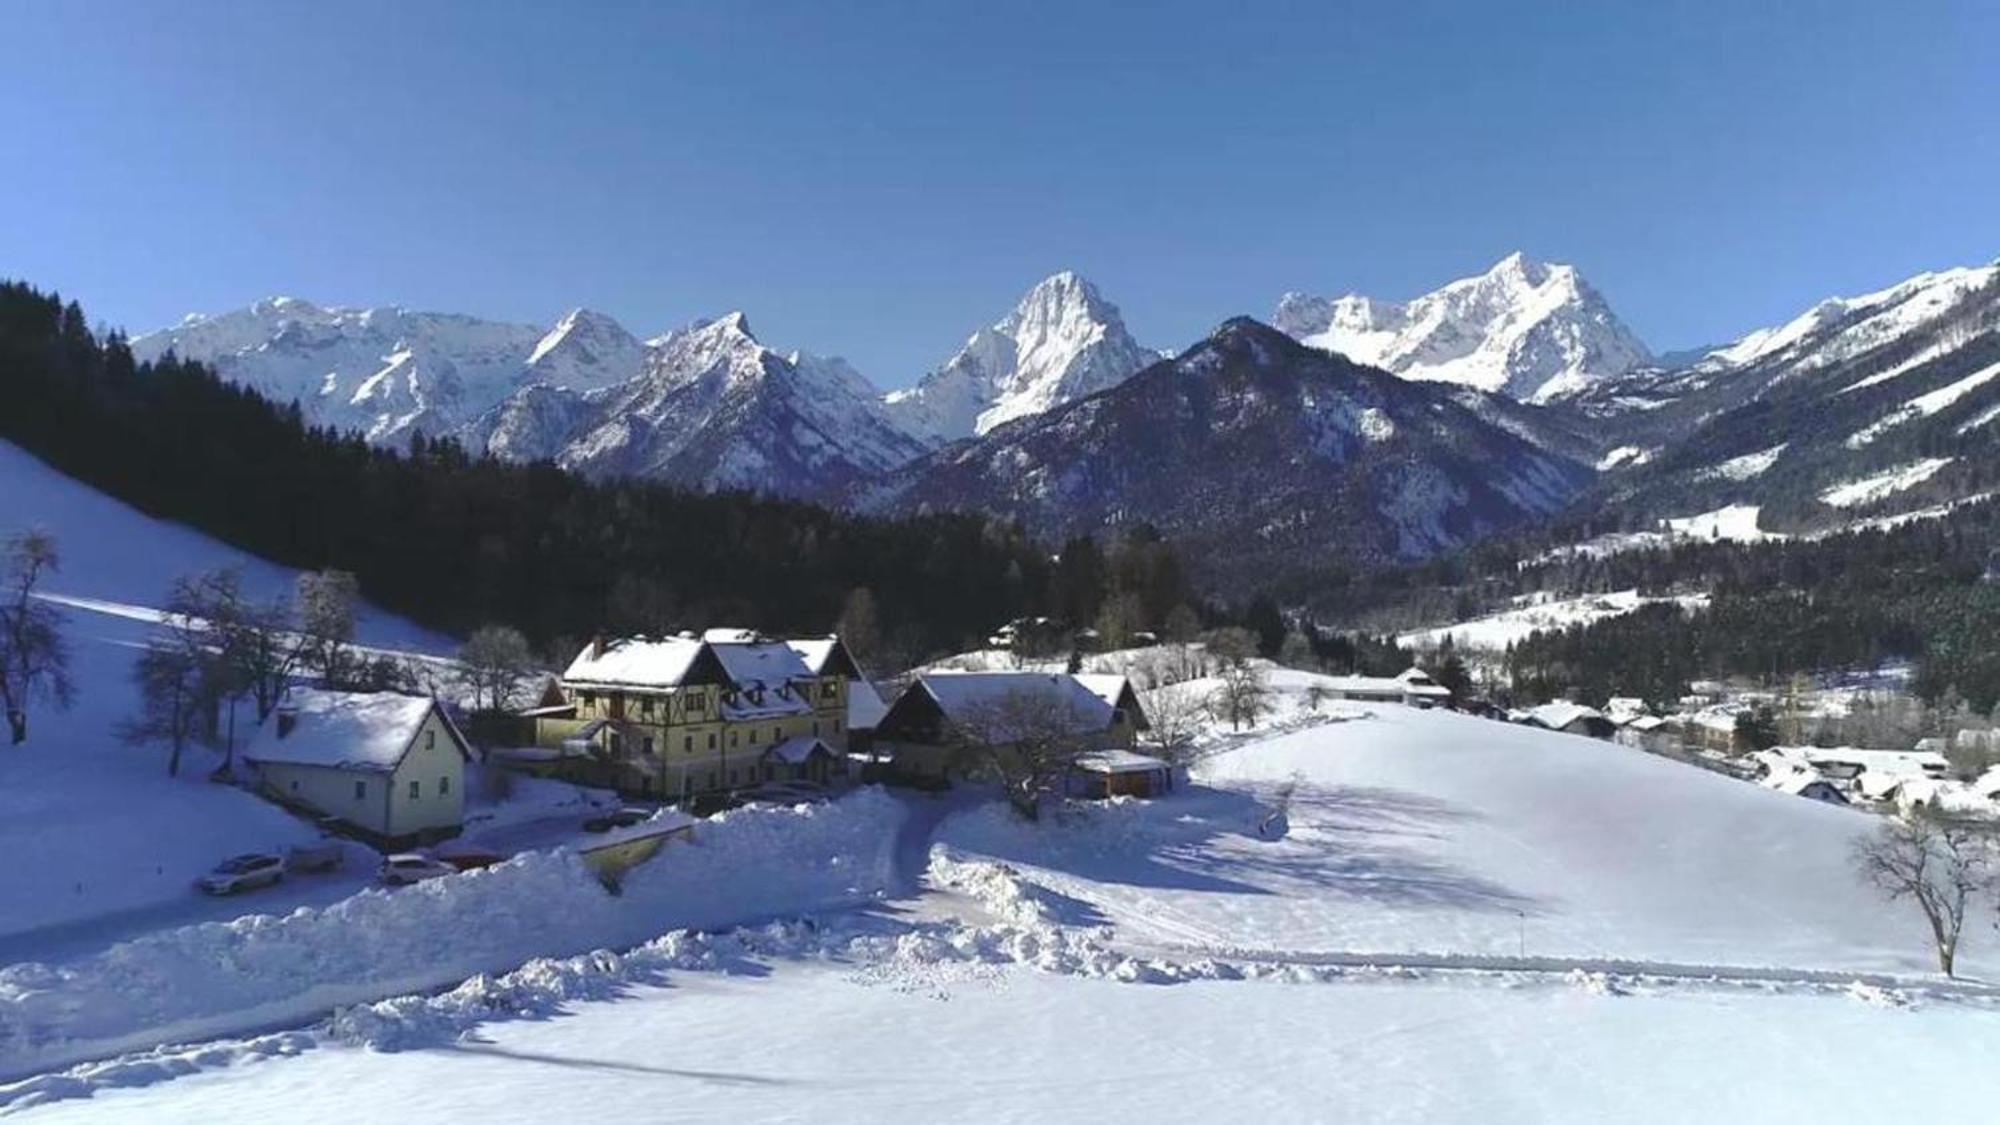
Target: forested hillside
[{"x": 454, "y": 541}]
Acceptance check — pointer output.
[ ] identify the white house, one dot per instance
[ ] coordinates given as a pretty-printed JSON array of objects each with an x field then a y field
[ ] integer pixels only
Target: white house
[{"x": 391, "y": 767}]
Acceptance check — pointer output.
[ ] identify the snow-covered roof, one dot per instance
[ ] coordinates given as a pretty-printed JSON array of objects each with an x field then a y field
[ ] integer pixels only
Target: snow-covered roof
[
  {"x": 814, "y": 651},
  {"x": 1796, "y": 781},
  {"x": 1904, "y": 762},
  {"x": 635, "y": 662},
  {"x": 795, "y": 751},
  {"x": 1104, "y": 685},
  {"x": 970, "y": 697},
  {"x": 1118, "y": 761},
  {"x": 766, "y": 662},
  {"x": 342, "y": 730},
  {"x": 864, "y": 705},
  {"x": 1388, "y": 686},
  {"x": 1562, "y": 713},
  {"x": 1645, "y": 722}
]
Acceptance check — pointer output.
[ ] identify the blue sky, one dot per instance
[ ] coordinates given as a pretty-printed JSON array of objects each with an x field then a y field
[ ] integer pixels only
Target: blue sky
[{"x": 876, "y": 180}]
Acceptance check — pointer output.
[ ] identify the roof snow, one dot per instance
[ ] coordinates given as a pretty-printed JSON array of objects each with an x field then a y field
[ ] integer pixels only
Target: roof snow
[
  {"x": 635, "y": 662},
  {"x": 1561, "y": 713},
  {"x": 341, "y": 730},
  {"x": 1118, "y": 761},
  {"x": 972, "y": 698}
]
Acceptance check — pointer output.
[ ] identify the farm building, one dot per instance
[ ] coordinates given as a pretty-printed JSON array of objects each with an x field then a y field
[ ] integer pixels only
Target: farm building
[
  {"x": 1103, "y": 774},
  {"x": 389, "y": 767},
  {"x": 1413, "y": 686},
  {"x": 940, "y": 713}
]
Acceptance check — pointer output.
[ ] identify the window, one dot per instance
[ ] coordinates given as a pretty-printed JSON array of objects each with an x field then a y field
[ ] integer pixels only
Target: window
[
  {"x": 711, "y": 740},
  {"x": 444, "y": 786},
  {"x": 295, "y": 786},
  {"x": 829, "y": 690},
  {"x": 360, "y": 790},
  {"x": 732, "y": 738},
  {"x": 589, "y": 700},
  {"x": 836, "y": 726},
  {"x": 697, "y": 703},
  {"x": 416, "y": 789},
  {"x": 753, "y": 736},
  {"x": 649, "y": 744},
  {"x": 430, "y": 740},
  {"x": 687, "y": 744}
]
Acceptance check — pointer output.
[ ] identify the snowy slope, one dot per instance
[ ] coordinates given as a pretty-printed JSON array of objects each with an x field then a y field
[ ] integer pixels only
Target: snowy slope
[
  {"x": 88, "y": 824},
  {"x": 1496, "y": 631},
  {"x": 1062, "y": 342},
  {"x": 1427, "y": 832},
  {"x": 1530, "y": 330}
]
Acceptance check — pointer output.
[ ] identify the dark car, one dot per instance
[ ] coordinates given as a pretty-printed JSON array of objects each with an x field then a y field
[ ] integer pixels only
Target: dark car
[{"x": 470, "y": 859}]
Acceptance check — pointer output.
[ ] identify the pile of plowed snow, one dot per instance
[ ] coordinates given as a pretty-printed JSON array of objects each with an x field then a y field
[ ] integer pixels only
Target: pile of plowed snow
[{"x": 214, "y": 977}]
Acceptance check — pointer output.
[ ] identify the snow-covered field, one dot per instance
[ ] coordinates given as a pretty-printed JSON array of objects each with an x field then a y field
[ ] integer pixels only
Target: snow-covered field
[
  {"x": 1496, "y": 631},
  {"x": 804, "y": 1041},
  {"x": 1693, "y": 946}
]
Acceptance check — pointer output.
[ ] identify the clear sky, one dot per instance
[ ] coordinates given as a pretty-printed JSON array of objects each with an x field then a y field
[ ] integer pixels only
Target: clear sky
[{"x": 876, "y": 180}]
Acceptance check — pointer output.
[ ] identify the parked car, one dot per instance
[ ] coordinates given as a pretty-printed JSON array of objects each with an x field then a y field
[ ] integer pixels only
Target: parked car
[
  {"x": 470, "y": 859},
  {"x": 413, "y": 867},
  {"x": 242, "y": 873},
  {"x": 323, "y": 855},
  {"x": 619, "y": 818}
]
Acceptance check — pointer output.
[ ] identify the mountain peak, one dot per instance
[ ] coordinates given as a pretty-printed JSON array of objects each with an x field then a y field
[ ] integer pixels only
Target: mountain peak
[
  {"x": 1531, "y": 330},
  {"x": 1062, "y": 341}
]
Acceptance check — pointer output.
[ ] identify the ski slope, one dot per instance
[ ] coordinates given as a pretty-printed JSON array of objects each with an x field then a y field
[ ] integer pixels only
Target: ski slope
[{"x": 91, "y": 826}]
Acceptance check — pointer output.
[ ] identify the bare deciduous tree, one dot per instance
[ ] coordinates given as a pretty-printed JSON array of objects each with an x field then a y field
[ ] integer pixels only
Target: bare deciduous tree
[
  {"x": 1243, "y": 695},
  {"x": 1024, "y": 743},
  {"x": 495, "y": 661},
  {"x": 34, "y": 661},
  {"x": 1938, "y": 861},
  {"x": 172, "y": 707},
  {"x": 326, "y": 622},
  {"x": 1176, "y": 713}
]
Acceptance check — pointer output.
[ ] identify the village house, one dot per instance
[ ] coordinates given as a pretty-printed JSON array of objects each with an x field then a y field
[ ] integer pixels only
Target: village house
[
  {"x": 1571, "y": 718},
  {"x": 1648, "y": 732},
  {"x": 939, "y": 713},
  {"x": 1413, "y": 687},
  {"x": 678, "y": 717},
  {"x": 390, "y": 768}
]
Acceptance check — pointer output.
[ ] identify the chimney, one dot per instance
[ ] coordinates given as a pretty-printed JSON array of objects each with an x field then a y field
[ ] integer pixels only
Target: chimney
[
  {"x": 288, "y": 717},
  {"x": 597, "y": 647}
]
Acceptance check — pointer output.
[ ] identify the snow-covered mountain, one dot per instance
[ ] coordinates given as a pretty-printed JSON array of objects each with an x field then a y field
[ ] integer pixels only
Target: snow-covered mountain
[
  {"x": 1062, "y": 342},
  {"x": 1252, "y": 451},
  {"x": 1860, "y": 408},
  {"x": 390, "y": 372},
  {"x": 1532, "y": 331},
  {"x": 712, "y": 408},
  {"x": 707, "y": 406}
]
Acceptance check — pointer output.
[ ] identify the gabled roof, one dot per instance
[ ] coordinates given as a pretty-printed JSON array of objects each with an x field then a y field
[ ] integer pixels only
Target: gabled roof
[
  {"x": 864, "y": 706},
  {"x": 636, "y": 662},
  {"x": 796, "y": 751},
  {"x": 370, "y": 731},
  {"x": 826, "y": 656},
  {"x": 1117, "y": 691},
  {"x": 1561, "y": 713},
  {"x": 751, "y": 661},
  {"x": 976, "y": 700}
]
